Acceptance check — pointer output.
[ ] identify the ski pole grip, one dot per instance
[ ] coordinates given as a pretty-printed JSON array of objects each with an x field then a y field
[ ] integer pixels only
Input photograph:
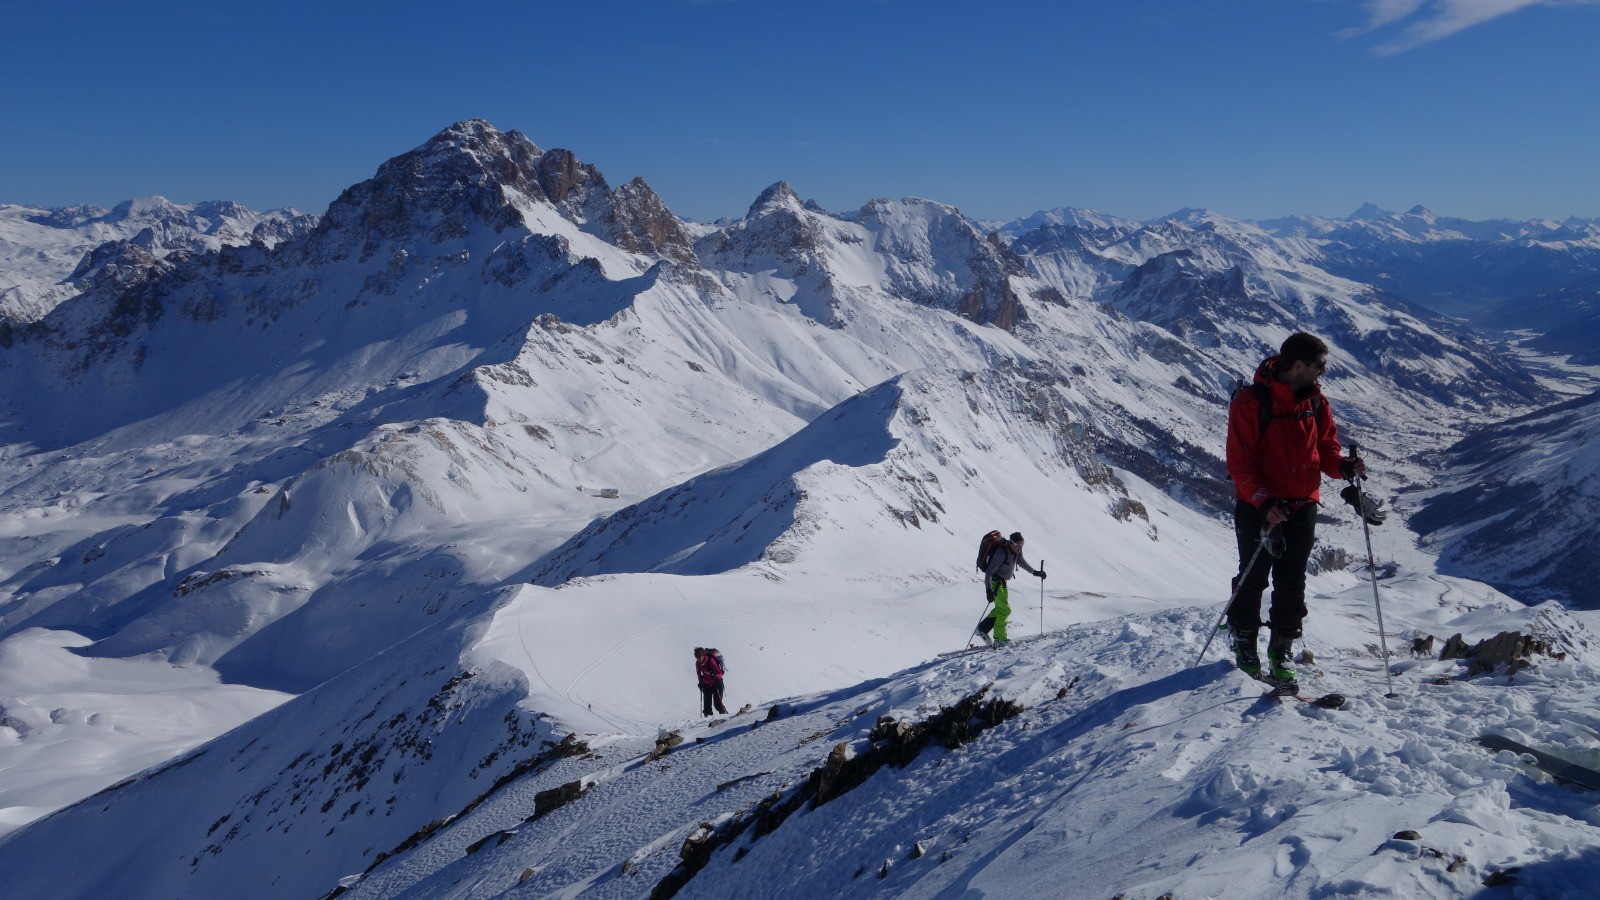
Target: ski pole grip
[{"x": 1353, "y": 446}]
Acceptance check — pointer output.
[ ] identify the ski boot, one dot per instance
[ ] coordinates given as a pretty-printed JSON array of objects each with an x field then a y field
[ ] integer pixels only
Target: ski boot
[
  {"x": 984, "y": 625},
  {"x": 1244, "y": 652},
  {"x": 1280, "y": 661}
]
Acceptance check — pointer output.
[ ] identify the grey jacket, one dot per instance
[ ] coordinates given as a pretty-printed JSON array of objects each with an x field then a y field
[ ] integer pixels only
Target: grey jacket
[{"x": 1004, "y": 561}]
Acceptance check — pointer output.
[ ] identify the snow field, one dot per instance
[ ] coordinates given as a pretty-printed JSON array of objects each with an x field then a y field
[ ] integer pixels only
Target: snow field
[
  {"x": 1128, "y": 773},
  {"x": 80, "y": 724}
]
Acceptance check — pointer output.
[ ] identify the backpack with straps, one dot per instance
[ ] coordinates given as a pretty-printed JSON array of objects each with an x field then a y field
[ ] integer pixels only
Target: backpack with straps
[
  {"x": 986, "y": 548},
  {"x": 1263, "y": 394},
  {"x": 716, "y": 654}
]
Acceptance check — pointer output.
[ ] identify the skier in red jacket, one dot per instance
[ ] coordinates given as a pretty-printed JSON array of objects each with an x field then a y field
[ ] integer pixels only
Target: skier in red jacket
[{"x": 1276, "y": 459}]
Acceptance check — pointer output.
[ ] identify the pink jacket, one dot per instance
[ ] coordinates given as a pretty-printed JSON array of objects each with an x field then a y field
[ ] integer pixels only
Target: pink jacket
[{"x": 707, "y": 669}]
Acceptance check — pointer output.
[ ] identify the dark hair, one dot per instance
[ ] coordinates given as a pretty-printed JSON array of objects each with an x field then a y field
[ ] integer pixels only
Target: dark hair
[
  {"x": 1016, "y": 537},
  {"x": 1301, "y": 347},
  {"x": 699, "y": 650}
]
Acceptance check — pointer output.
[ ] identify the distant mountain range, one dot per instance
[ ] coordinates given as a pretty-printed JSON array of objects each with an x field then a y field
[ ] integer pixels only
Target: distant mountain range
[{"x": 46, "y": 254}]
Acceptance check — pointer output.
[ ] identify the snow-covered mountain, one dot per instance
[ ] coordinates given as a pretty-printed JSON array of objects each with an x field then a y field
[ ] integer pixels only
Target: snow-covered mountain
[
  {"x": 1453, "y": 266},
  {"x": 1217, "y": 282},
  {"x": 450, "y": 346},
  {"x": 43, "y": 252},
  {"x": 459, "y": 475},
  {"x": 1517, "y": 504},
  {"x": 1421, "y": 225}
]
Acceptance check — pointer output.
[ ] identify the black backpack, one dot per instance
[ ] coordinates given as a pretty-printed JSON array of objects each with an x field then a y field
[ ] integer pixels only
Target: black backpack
[
  {"x": 986, "y": 548},
  {"x": 1263, "y": 394}
]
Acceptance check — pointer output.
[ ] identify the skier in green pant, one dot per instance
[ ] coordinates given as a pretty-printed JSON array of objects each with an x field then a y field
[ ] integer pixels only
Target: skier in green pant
[{"x": 1001, "y": 567}]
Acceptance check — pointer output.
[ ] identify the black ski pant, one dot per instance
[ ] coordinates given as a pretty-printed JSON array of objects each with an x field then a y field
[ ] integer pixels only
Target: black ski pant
[
  {"x": 711, "y": 696},
  {"x": 1287, "y": 571}
]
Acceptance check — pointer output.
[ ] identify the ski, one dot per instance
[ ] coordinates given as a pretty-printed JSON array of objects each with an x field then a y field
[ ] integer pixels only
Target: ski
[
  {"x": 973, "y": 648},
  {"x": 1326, "y": 701},
  {"x": 1561, "y": 770},
  {"x": 948, "y": 654},
  {"x": 1281, "y": 690}
]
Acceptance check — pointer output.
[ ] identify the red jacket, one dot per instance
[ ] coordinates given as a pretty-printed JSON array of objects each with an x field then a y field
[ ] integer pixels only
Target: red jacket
[{"x": 1301, "y": 443}]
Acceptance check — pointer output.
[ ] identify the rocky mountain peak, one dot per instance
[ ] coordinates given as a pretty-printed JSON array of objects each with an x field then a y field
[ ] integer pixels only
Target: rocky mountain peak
[
  {"x": 1188, "y": 291},
  {"x": 459, "y": 174},
  {"x": 777, "y": 194},
  {"x": 472, "y": 174},
  {"x": 222, "y": 209},
  {"x": 641, "y": 223},
  {"x": 1369, "y": 211},
  {"x": 118, "y": 264},
  {"x": 474, "y": 143},
  {"x": 152, "y": 207}
]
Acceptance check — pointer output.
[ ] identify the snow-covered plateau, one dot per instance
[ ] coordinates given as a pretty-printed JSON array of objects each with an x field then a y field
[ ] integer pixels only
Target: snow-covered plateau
[{"x": 364, "y": 554}]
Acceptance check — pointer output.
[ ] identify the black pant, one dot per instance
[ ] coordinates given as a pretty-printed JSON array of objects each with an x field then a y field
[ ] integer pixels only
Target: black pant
[
  {"x": 1288, "y": 571},
  {"x": 711, "y": 695}
]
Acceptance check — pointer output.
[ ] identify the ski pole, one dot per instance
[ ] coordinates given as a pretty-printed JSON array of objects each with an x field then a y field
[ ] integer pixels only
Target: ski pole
[
  {"x": 1266, "y": 535},
  {"x": 1372, "y": 567},
  {"x": 987, "y": 600},
  {"x": 975, "y": 628},
  {"x": 1041, "y": 598}
]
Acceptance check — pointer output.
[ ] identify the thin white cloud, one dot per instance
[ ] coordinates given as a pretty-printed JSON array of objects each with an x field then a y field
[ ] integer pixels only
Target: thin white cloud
[
  {"x": 1425, "y": 21},
  {"x": 1384, "y": 12}
]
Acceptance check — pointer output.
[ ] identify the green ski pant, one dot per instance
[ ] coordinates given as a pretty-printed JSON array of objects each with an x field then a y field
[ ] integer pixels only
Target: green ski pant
[{"x": 1000, "y": 597}]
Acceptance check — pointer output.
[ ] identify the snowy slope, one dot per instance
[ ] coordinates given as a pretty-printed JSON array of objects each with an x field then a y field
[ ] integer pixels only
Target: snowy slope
[
  {"x": 914, "y": 455},
  {"x": 1516, "y": 504},
  {"x": 362, "y": 762},
  {"x": 1123, "y": 770},
  {"x": 1565, "y": 319}
]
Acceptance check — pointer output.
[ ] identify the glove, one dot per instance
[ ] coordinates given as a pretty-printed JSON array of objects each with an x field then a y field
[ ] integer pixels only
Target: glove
[
  {"x": 1276, "y": 503},
  {"x": 1276, "y": 543},
  {"x": 1353, "y": 467},
  {"x": 1367, "y": 506},
  {"x": 1040, "y": 573}
]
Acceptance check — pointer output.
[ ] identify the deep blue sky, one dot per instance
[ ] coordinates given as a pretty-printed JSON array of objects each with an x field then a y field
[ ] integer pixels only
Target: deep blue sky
[{"x": 1255, "y": 108}]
